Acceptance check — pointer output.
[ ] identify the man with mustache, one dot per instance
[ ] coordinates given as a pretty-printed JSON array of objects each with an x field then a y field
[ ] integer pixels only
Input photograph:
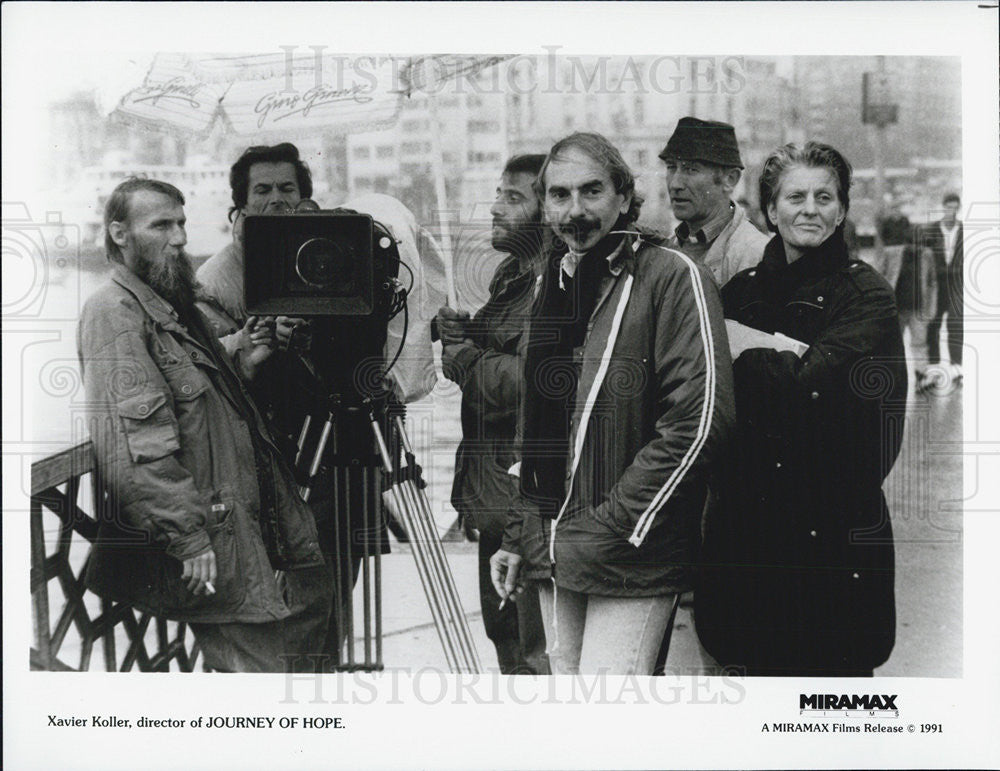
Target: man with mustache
[
  {"x": 485, "y": 356},
  {"x": 205, "y": 525},
  {"x": 629, "y": 400},
  {"x": 703, "y": 166}
]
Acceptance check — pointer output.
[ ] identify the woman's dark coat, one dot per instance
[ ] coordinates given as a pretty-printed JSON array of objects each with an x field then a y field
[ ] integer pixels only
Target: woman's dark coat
[{"x": 799, "y": 562}]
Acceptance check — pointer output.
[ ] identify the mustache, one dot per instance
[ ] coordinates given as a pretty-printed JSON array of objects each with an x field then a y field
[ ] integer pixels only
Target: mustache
[{"x": 579, "y": 226}]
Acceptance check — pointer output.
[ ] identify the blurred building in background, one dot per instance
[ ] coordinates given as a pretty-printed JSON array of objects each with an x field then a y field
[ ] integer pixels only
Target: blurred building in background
[{"x": 467, "y": 130}]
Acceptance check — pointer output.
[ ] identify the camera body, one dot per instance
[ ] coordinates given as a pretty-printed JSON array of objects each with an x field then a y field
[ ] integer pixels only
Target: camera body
[
  {"x": 318, "y": 263},
  {"x": 336, "y": 268}
]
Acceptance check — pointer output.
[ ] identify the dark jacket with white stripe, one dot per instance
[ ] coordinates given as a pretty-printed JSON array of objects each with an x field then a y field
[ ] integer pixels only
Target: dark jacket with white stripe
[{"x": 654, "y": 405}]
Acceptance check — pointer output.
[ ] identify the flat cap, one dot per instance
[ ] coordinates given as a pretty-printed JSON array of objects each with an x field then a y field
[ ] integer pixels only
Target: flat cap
[{"x": 703, "y": 140}]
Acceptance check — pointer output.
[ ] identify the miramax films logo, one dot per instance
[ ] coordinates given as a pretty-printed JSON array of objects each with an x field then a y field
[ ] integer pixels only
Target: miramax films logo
[
  {"x": 841, "y": 703},
  {"x": 840, "y": 707}
]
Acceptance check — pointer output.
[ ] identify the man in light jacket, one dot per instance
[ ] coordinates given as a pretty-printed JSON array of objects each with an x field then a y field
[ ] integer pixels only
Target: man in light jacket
[{"x": 703, "y": 166}]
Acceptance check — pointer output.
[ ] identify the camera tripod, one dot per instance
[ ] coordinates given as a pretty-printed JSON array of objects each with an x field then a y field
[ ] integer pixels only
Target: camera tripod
[
  {"x": 338, "y": 477},
  {"x": 342, "y": 449}
]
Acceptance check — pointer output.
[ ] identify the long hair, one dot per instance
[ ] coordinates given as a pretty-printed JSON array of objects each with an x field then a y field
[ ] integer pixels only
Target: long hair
[
  {"x": 599, "y": 149},
  {"x": 814, "y": 155},
  {"x": 119, "y": 203}
]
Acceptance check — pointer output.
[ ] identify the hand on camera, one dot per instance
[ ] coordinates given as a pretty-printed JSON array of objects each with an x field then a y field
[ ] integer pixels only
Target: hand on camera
[
  {"x": 256, "y": 344},
  {"x": 293, "y": 334},
  {"x": 451, "y": 325}
]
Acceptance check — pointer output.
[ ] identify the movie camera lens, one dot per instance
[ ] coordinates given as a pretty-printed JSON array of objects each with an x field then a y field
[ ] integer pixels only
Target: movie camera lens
[{"x": 321, "y": 263}]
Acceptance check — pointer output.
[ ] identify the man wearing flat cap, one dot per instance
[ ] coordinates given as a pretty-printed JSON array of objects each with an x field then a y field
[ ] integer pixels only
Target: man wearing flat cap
[{"x": 703, "y": 168}]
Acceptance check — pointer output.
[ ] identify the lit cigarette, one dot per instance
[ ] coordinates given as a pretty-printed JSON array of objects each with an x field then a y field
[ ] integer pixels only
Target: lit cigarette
[
  {"x": 209, "y": 588},
  {"x": 502, "y": 603}
]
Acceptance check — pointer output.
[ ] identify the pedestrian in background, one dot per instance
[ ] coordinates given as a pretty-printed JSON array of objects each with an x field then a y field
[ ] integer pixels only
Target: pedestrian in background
[
  {"x": 916, "y": 300},
  {"x": 944, "y": 243}
]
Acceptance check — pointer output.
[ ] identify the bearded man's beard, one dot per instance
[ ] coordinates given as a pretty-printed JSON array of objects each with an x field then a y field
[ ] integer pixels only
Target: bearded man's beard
[{"x": 172, "y": 278}]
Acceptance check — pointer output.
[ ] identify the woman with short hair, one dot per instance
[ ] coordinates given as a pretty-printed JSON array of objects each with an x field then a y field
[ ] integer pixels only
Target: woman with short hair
[{"x": 798, "y": 557}]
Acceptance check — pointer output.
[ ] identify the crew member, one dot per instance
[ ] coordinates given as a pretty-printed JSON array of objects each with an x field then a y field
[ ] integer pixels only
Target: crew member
[
  {"x": 629, "y": 398},
  {"x": 207, "y": 527},
  {"x": 703, "y": 168},
  {"x": 276, "y": 180},
  {"x": 485, "y": 356}
]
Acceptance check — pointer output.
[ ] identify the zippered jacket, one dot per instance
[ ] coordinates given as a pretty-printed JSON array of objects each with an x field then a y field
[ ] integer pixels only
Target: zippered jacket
[
  {"x": 490, "y": 367},
  {"x": 651, "y": 415}
]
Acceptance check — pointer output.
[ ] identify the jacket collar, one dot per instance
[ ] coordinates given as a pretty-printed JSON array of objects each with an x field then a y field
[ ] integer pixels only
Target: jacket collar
[
  {"x": 712, "y": 229},
  {"x": 155, "y": 306},
  {"x": 717, "y": 248},
  {"x": 159, "y": 310},
  {"x": 828, "y": 257}
]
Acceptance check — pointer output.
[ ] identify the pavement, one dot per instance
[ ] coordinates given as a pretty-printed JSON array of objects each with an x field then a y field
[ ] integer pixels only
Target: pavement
[{"x": 410, "y": 640}]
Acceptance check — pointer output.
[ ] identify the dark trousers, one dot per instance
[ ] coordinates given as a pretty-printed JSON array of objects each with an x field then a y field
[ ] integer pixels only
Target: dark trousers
[
  {"x": 516, "y": 631},
  {"x": 953, "y": 308},
  {"x": 275, "y": 646}
]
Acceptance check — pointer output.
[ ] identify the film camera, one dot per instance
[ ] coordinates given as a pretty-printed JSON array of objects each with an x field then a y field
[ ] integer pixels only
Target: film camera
[
  {"x": 338, "y": 269},
  {"x": 319, "y": 263}
]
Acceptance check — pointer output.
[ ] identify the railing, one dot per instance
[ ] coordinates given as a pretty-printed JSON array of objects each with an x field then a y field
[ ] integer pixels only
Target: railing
[
  {"x": 130, "y": 638},
  {"x": 133, "y": 639}
]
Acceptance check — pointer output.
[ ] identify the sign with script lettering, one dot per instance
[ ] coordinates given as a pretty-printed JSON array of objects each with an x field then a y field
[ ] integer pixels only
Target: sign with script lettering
[{"x": 290, "y": 91}]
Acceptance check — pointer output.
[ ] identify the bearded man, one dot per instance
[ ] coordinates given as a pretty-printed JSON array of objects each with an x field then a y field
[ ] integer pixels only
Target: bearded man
[
  {"x": 485, "y": 357},
  {"x": 204, "y": 525}
]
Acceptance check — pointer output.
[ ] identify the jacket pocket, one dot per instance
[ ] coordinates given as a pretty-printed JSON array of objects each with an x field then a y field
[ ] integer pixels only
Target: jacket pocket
[
  {"x": 805, "y": 319},
  {"x": 150, "y": 430},
  {"x": 230, "y": 588},
  {"x": 193, "y": 424}
]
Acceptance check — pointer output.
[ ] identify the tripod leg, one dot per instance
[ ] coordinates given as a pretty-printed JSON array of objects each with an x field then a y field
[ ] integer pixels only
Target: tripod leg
[
  {"x": 349, "y": 589},
  {"x": 424, "y": 515},
  {"x": 301, "y": 443},
  {"x": 378, "y": 506},
  {"x": 306, "y": 490},
  {"x": 365, "y": 566},
  {"x": 338, "y": 567},
  {"x": 425, "y": 570}
]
